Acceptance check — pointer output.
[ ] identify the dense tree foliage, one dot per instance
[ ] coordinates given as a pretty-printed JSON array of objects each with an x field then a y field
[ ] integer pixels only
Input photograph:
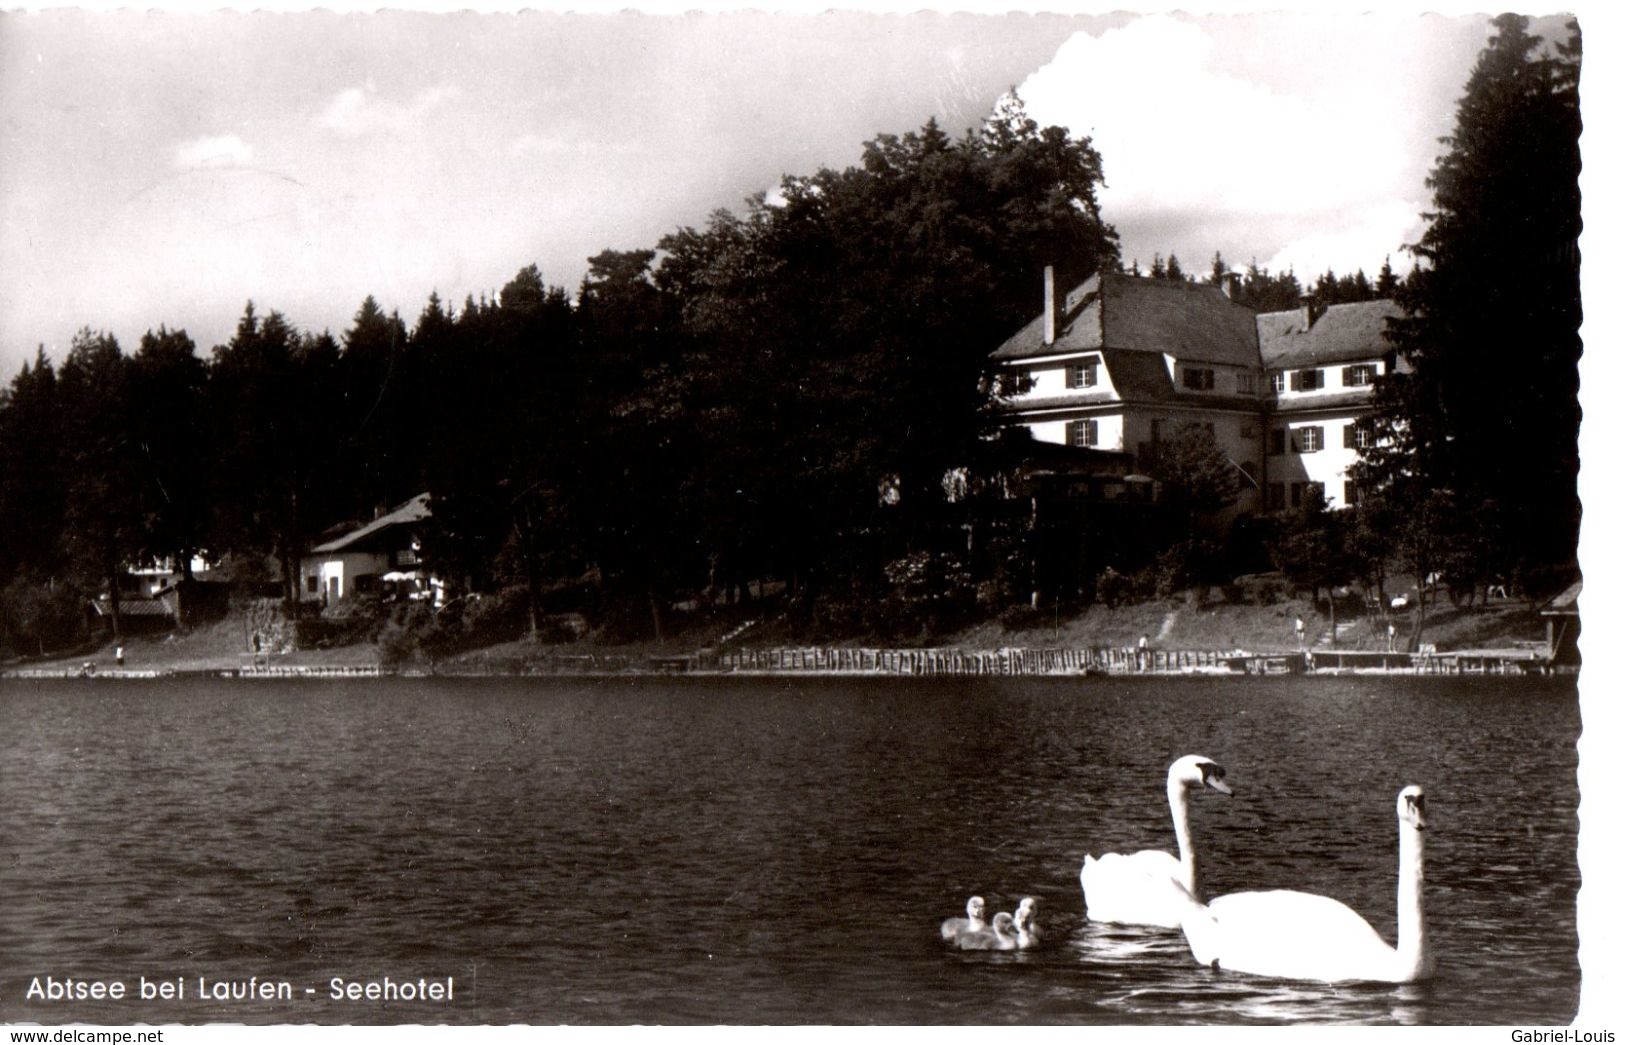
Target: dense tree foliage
[
  {"x": 1488, "y": 419},
  {"x": 838, "y": 335},
  {"x": 778, "y": 394}
]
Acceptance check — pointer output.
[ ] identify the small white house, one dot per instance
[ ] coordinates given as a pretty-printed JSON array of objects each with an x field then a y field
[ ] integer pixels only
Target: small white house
[{"x": 379, "y": 558}]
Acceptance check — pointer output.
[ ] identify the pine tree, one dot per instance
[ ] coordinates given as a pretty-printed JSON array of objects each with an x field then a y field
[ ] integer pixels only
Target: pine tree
[
  {"x": 1387, "y": 283},
  {"x": 167, "y": 425},
  {"x": 102, "y": 470},
  {"x": 1495, "y": 303},
  {"x": 32, "y": 473}
]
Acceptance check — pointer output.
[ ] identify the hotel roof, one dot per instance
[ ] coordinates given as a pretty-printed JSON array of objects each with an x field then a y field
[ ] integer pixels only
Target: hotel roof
[
  {"x": 1342, "y": 334},
  {"x": 1190, "y": 321}
]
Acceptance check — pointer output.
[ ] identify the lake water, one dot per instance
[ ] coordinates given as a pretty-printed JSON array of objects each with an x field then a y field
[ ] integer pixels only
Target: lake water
[{"x": 748, "y": 851}]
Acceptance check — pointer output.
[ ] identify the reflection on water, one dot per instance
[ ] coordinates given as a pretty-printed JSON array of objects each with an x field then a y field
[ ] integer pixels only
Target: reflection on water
[{"x": 750, "y": 851}]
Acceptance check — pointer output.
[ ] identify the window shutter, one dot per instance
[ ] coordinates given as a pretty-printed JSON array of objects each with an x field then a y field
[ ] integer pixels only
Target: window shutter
[
  {"x": 1348, "y": 437},
  {"x": 1297, "y": 380}
]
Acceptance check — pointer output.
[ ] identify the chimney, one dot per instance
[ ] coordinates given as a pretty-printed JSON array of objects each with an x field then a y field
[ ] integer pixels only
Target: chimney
[
  {"x": 1053, "y": 306},
  {"x": 1231, "y": 285},
  {"x": 1311, "y": 309}
]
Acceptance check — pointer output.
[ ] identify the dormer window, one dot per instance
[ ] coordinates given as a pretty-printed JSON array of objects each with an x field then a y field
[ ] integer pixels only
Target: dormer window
[
  {"x": 1082, "y": 375},
  {"x": 1277, "y": 381},
  {"x": 1199, "y": 379},
  {"x": 1307, "y": 380}
]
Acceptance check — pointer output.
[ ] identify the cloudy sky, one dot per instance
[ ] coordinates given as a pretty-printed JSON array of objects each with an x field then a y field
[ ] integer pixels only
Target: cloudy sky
[{"x": 168, "y": 167}]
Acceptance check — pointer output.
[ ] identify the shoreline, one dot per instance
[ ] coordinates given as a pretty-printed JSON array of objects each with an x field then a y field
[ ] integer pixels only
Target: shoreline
[{"x": 869, "y": 662}]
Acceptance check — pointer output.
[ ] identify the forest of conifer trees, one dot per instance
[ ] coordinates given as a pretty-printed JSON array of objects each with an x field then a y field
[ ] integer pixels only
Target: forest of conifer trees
[{"x": 778, "y": 394}]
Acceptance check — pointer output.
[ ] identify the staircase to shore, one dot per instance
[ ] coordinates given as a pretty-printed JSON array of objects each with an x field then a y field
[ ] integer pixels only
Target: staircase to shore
[{"x": 1334, "y": 638}]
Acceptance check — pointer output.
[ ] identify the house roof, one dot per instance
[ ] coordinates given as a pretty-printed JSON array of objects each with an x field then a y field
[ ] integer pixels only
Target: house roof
[
  {"x": 1342, "y": 334},
  {"x": 129, "y": 607},
  {"x": 1136, "y": 377},
  {"x": 1189, "y": 321},
  {"x": 406, "y": 512},
  {"x": 1565, "y": 604}
]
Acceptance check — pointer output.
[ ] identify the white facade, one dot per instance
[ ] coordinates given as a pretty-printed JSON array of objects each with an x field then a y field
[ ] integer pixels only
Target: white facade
[
  {"x": 334, "y": 577},
  {"x": 1316, "y": 450},
  {"x": 1310, "y": 384},
  {"x": 1082, "y": 376}
]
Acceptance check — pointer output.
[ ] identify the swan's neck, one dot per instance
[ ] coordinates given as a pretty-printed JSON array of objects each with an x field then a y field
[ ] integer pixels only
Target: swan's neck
[
  {"x": 1179, "y": 804},
  {"x": 1413, "y": 929}
]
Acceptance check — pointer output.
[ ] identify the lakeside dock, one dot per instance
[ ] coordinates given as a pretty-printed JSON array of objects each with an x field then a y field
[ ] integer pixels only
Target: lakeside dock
[{"x": 1016, "y": 661}]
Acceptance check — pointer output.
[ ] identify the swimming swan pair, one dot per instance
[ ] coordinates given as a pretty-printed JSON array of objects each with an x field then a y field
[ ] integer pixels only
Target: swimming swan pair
[{"x": 1278, "y": 932}]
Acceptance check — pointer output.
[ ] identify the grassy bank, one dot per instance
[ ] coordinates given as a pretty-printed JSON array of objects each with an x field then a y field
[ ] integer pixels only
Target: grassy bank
[{"x": 1170, "y": 625}]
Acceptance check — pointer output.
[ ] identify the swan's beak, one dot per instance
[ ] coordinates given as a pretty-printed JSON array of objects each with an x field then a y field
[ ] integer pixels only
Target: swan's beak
[{"x": 1219, "y": 785}]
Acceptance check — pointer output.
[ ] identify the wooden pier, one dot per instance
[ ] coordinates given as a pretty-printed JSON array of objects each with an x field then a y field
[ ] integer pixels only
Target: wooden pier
[
  {"x": 920, "y": 662},
  {"x": 1013, "y": 661}
]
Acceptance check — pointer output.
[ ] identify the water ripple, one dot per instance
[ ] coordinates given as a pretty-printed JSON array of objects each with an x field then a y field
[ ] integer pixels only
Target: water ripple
[{"x": 765, "y": 851}]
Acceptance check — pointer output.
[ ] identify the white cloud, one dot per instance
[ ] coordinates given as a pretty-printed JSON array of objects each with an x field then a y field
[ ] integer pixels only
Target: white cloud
[
  {"x": 1362, "y": 241},
  {"x": 358, "y": 111},
  {"x": 225, "y": 150},
  {"x": 569, "y": 144},
  {"x": 1317, "y": 147}
]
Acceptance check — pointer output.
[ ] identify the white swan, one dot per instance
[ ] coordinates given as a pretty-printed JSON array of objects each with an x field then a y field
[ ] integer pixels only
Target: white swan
[
  {"x": 1026, "y": 923},
  {"x": 1000, "y": 936},
  {"x": 1138, "y": 888},
  {"x": 1301, "y": 936},
  {"x": 975, "y": 912}
]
